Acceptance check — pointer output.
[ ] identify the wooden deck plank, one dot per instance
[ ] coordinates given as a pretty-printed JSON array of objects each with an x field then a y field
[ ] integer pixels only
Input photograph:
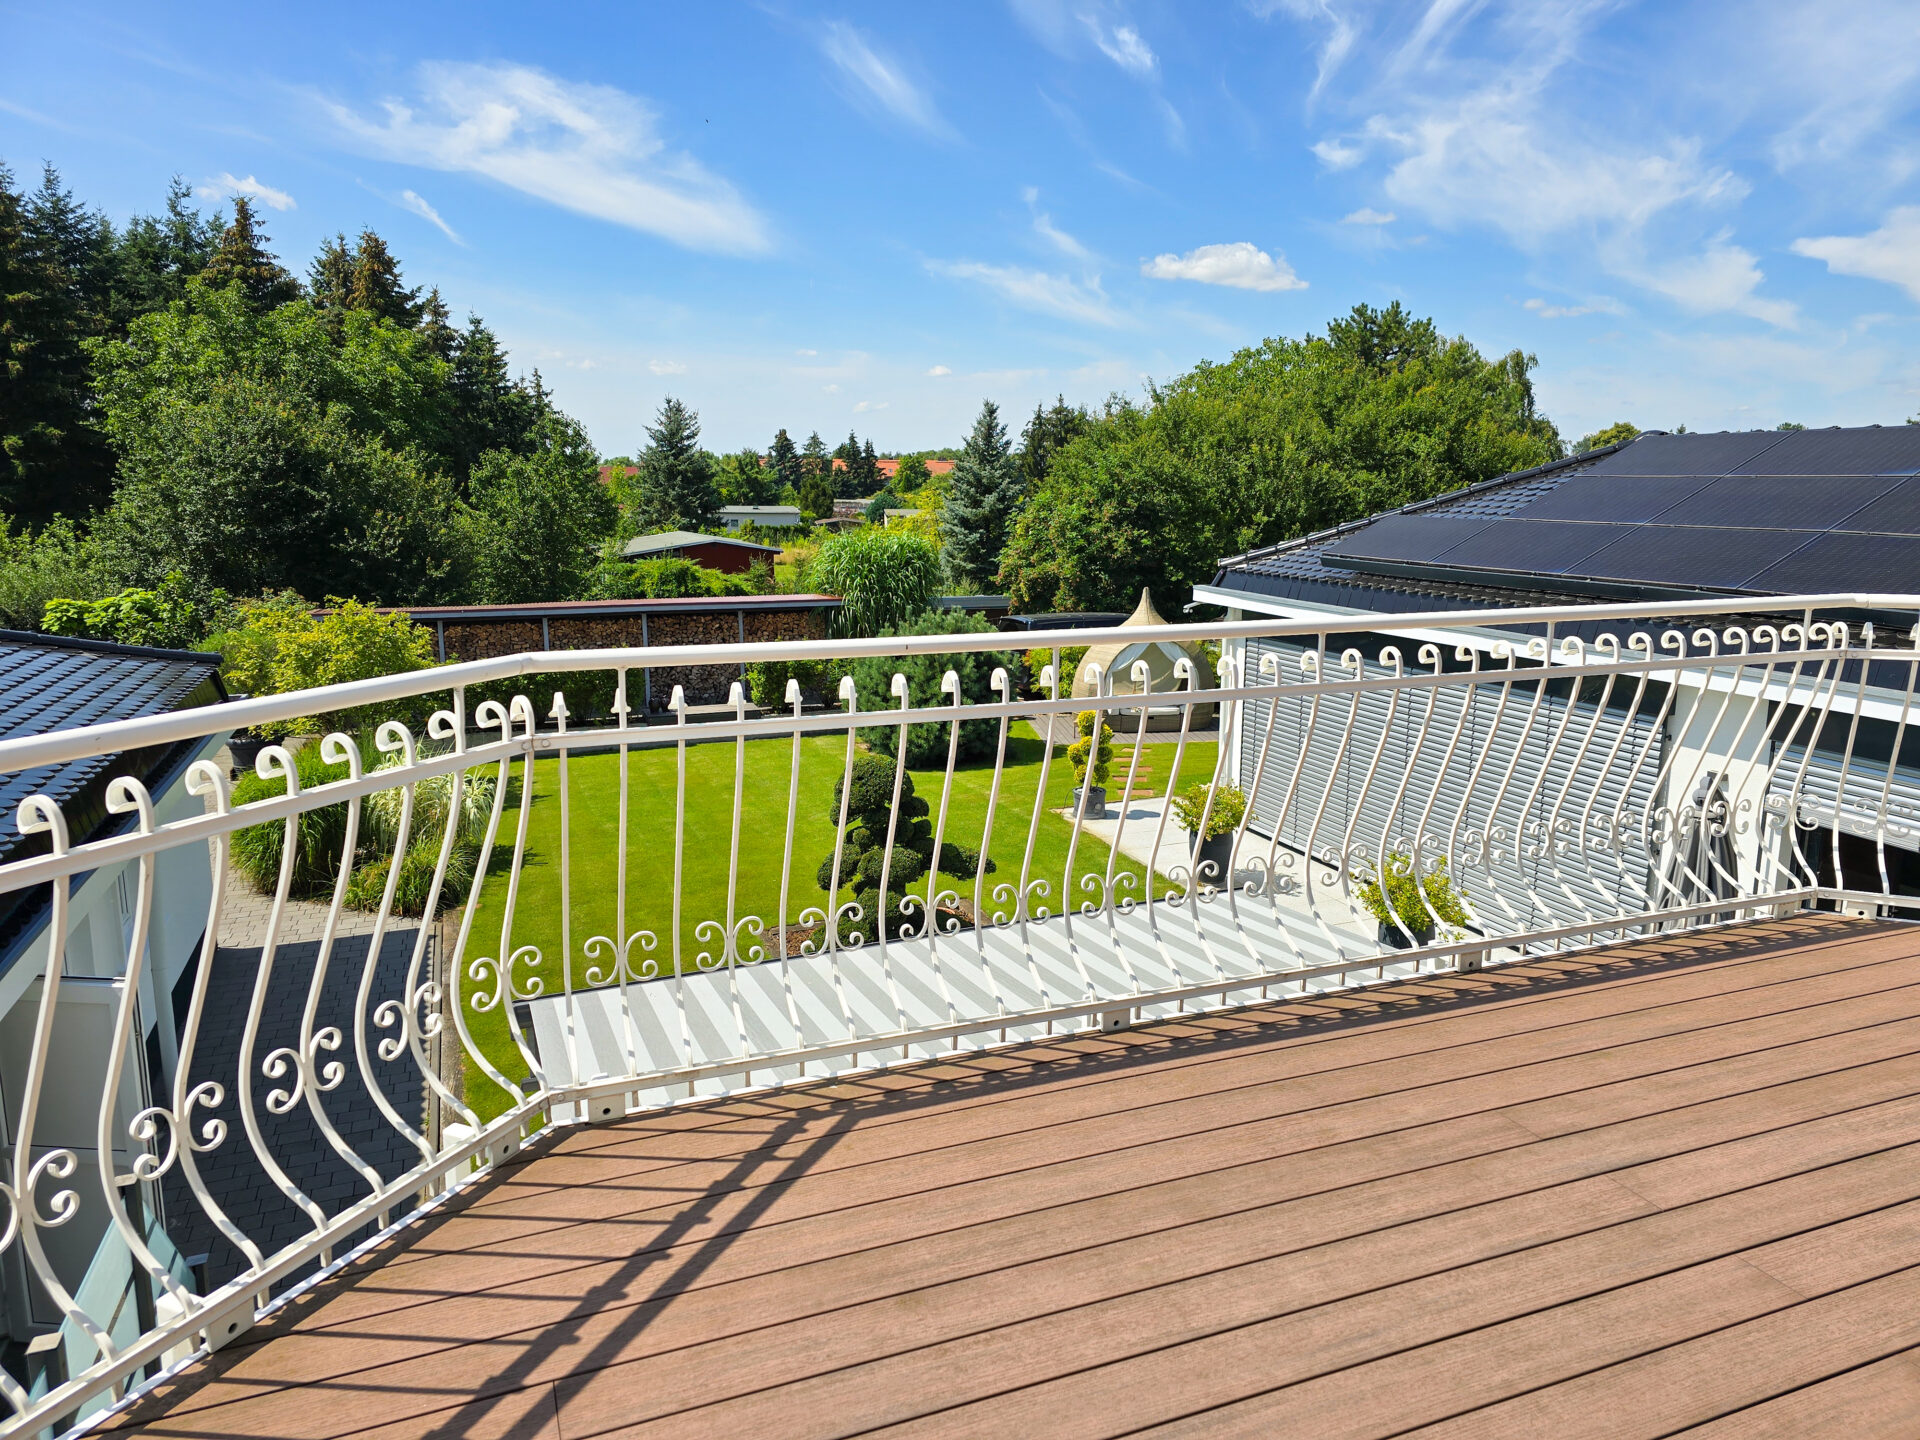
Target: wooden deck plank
[
  {"x": 1268, "y": 1203},
  {"x": 1873, "y": 1402},
  {"x": 1846, "y": 1049}
]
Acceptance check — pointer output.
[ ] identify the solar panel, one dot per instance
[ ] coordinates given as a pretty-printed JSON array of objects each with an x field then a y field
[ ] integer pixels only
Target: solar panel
[
  {"x": 1843, "y": 562},
  {"x": 1688, "y": 454},
  {"x": 1696, "y": 556},
  {"x": 1413, "y": 538},
  {"x": 1619, "y": 499},
  {"x": 1544, "y": 547},
  {"x": 1787, "y": 502},
  {"x": 1896, "y": 512},
  {"x": 1872, "y": 450}
]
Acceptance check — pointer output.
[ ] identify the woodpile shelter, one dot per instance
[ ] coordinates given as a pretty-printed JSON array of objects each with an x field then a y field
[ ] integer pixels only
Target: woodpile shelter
[{"x": 480, "y": 632}]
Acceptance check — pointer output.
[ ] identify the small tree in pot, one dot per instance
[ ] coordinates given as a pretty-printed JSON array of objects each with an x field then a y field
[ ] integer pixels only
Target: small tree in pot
[
  {"x": 1215, "y": 847},
  {"x": 1406, "y": 904},
  {"x": 1092, "y": 757}
]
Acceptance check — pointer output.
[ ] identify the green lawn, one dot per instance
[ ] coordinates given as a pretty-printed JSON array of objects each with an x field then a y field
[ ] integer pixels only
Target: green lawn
[{"x": 593, "y": 804}]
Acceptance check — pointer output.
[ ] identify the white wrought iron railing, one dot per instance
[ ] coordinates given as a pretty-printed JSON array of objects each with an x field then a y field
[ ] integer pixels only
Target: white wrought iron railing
[{"x": 626, "y": 915}]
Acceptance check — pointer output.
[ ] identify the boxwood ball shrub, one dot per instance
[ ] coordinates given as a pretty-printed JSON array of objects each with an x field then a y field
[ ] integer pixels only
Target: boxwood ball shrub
[{"x": 863, "y": 854}]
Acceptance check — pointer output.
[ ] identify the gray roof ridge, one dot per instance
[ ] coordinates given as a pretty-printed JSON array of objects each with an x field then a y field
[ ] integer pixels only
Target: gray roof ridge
[{"x": 107, "y": 647}]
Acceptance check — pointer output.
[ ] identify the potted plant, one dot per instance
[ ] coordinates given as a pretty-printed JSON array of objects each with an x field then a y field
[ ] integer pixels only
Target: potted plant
[
  {"x": 1092, "y": 757},
  {"x": 1405, "y": 905},
  {"x": 1215, "y": 847}
]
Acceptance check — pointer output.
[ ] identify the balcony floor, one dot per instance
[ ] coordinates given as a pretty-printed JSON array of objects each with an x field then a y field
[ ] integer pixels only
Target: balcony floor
[{"x": 1663, "y": 1185}]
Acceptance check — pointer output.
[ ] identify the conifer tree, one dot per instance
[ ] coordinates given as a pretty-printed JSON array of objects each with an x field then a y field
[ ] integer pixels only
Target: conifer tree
[
  {"x": 785, "y": 460},
  {"x": 242, "y": 259},
  {"x": 76, "y": 244},
  {"x": 376, "y": 286},
  {"x": 815, "y": 462},
  {"x": 330, "y": 281},
  {"x": 489, "y": 411},
  {"x": 434, "y": 325},
  {"x": 869, "y": 469},
  {"x": 846, "y": 466},
  {"x": 1046, "y": 433},
  {"x": 675, "y": 488},
  {"x": 155, "y": 256},
  {"x": 51, "y": 462},
  {"x": 984, "y": 494}
]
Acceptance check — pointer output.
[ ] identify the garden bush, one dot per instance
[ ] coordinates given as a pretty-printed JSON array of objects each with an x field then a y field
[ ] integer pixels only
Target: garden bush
[
  {"x": 1398, "y": 894},
  {"x": 927, "y": 744},
  {"x": 278, "y": 646}
]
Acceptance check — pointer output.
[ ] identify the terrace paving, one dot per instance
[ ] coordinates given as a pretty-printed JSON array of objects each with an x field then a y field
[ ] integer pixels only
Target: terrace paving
[{"x": 1629, "y": 1191}]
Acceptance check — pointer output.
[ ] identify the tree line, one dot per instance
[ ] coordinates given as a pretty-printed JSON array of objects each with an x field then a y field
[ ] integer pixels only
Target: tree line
[{"x": 175, "y": 402}]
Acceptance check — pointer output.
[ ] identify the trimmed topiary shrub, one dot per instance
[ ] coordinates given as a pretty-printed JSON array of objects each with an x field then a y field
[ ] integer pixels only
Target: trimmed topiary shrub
[{"x": 863, "y": 856}]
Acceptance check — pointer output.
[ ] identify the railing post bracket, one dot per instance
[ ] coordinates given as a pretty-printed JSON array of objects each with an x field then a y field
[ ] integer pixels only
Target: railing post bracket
[{"x": 1111, "y": 1020}]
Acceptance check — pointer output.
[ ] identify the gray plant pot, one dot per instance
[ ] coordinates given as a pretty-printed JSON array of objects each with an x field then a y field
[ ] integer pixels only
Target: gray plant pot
[
  {"x": 1219, "y": 852},
  {"x": 1096, "y": 802},
  {"x": 245, "y": 749}
]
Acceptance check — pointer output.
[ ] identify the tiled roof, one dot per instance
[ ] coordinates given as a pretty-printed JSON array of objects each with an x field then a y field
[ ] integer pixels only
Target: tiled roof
[{"x": 48, "y": 683}]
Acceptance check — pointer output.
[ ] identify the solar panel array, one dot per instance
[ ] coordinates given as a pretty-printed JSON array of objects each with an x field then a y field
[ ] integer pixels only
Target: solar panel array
[{"x": 1768, "y": 512}]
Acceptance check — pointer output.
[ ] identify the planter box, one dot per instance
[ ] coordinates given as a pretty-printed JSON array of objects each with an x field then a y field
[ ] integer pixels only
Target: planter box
[{"x": 1393, "y": 938}]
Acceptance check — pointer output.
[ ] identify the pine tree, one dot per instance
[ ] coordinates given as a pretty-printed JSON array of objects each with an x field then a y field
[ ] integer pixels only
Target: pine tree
[
  {"x": 983, "y": 497},
  {"x": 243, "y": 260},
  {"x": 51, "y": 461},
  {"x": 489, "y": 411},
  {"x": 155, "y": 256},
  {"x": 846, "y": 466},
  {"x": 675, "y": 488},
  {"x": 785, "y": 460},
  {"x": 815, "y": 462},
  {"x": 77, "y": 244},
  {"x": 1046, "y": 433},
  {"x": 869, "y": 469},
  {"x": 434, "y": 325},
  {"x": 330, "y": 281},
  {"x": 376, "y": 286}
]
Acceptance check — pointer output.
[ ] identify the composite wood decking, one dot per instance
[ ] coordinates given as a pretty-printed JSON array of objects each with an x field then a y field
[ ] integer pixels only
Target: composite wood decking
[{"x": 1665, "y": 1185}]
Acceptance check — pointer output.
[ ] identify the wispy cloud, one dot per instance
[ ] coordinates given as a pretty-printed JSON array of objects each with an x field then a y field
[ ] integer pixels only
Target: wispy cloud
[
  {"x": 1057, "y": 295},
  {"x": 1340, "y": 27},
  {"x": 1891, "y": 253},
  {"x": 1044, "y": 227},
  {"x": 591, "y": 149},
  {"x": 1122, "y": 45},
  {"x": 862, "y": 407},
  {"x": 1338, "y": 154},
  {"x": 1368, "y": 216},
  {"x": 1547, "y": 311},
  {"x": 411, "y": 200},
  {"x": 1241, "y": 265},
  {"x": 666, "y": 367},
  {"x": 939, "y": 370},
  {"x": 225, "y": 185},
  {"x": 878, "y": 80},
  {"x": 1722, "y": 277}
]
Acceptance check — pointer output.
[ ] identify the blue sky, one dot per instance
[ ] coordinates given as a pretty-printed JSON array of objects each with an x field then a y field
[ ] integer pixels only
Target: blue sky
[{"x": 874, "y": 216}]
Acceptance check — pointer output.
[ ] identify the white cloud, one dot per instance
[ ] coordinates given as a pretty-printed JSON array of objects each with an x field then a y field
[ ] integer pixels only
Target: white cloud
[
  {"x": 1546, "y": 311},
  {"x": 806, "y": 352},
  {"x": 1722, "y": 277},
  {"x": 1122, "y": 45},
  {"x": 1056, "y": 295},
  {"x": 224, "y": 184},
  {"x": 588, "y": 148},
  {"x": 939, "y": 370},
  {"x": 1338, "y": 155},
  {"x": 1044, "y": 227},
  {"x": 1367, "y": 216},
  {"x": 1891, "y": 253},
  {"x": 666, "y": 367},
  {"x": 1241, "y": 265},
  {"x": 409, "y": 200},
  {"x": 878, "y": 80},
  {"x": 831, "y": 389},
  {"x": 864, "y": 406}
]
